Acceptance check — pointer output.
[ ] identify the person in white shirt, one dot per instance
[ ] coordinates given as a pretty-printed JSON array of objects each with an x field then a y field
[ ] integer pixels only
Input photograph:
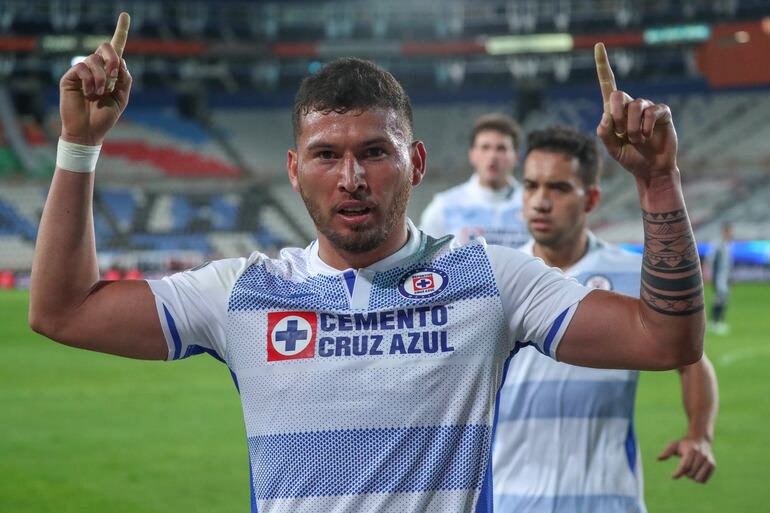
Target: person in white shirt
[
  {"x": 367, "y": 363},
  {"x": 565, "y": 440},
  {"x": 488, "y": 204}
]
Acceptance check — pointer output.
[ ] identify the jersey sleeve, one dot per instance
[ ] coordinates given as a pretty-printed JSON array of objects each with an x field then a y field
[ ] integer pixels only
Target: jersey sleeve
[
  {"x": 192, "y": 307},
  {"x": 538, "y": 301},
  {"x": 432, "y": 219}
]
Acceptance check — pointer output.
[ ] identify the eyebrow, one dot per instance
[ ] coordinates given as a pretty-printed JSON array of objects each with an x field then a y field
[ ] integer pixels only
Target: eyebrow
[
  {"x": 376, "y": 140},
  {"x": 549, "y": 183},
  {"x": 319, "y": 145},
  {"x": 326, "y": 145}
]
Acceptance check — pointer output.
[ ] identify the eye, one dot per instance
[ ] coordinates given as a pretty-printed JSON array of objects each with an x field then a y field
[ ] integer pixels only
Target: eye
[
  {"x": 325, "y": 155},
  {"x": 529, "y": 186},
  {"x": 374, "y": 152}
]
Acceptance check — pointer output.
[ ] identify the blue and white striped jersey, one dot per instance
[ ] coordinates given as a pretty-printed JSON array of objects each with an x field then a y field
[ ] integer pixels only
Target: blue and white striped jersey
[
  {"x": 564, "y": 441},
  {"x": 469, "y": 211},
  {"x": 370, "y": 389}
]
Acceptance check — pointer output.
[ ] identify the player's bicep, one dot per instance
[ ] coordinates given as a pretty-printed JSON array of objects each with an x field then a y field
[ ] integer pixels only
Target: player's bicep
[
  {"x": 117, "y": 317},
  {"x": 607, "y": 332},
  {"x": 192, "y": 307},
  {"x": 538, "y": 301}
]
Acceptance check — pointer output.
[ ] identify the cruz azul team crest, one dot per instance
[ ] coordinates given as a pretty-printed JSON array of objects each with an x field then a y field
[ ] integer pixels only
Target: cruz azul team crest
[
  {"x": 598, "y": 281},
  {"x": 422, "y": 283},
  {"x": 291, "y": 335}
]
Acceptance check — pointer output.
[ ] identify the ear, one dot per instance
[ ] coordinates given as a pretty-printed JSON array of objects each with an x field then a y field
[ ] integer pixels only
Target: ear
[
  {"x": 419, "y": 161},
  {"x": 291, "y": 167},
  {"x": 593, "y": 195}
]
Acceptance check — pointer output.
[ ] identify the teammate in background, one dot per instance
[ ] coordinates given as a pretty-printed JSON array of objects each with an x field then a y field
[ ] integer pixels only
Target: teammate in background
[
  {"x": 565, "y": 437},
  {"x": 367, "y": 363},
  {"x": 721, "y": 261},
  {"x": 489, "y": 204}
]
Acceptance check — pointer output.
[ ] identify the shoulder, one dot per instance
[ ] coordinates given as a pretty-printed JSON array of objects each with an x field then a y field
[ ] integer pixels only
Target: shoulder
[
  {"x": 612, "y": 257},
  {"x": 453, "y": 194},
  {"x": 511, "y": 260},
  {"x": 225, "y": 272},
  {"x": 291, "y": 264},
  {"x": 214, "y": 274},
  {"x": 610, "y": 267},
  {"x": 449, "y": 251}
]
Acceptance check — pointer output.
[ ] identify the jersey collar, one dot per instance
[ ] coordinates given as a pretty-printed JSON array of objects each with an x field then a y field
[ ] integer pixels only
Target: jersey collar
[
  {"x": 489, "y": 195},
  {"x": 594, "y": 244},
  {"x": 414, "y": 243}
]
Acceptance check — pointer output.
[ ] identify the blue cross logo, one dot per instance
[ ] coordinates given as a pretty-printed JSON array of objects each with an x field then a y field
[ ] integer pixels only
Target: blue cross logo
[
  {"x": 422, "y": 283},
  {"x": 290, "y": 335}
]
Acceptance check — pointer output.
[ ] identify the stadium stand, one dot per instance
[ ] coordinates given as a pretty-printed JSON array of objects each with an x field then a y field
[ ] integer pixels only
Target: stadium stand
[
  {"x": 199, "y": 198},
  {"x": 189, "y": 207}
]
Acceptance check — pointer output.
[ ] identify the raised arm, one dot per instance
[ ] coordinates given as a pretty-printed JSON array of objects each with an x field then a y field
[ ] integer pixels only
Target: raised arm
[
  {"x": 664, "y": 328},
  {"x": 68, "y": 303}
]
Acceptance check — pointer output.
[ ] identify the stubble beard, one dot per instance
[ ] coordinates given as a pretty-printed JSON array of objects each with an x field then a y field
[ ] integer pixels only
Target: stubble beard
[
  {"x": 559, "y": 238},
  {"x": 548, "y": 241},
  {"x": 365, "y": 237}
]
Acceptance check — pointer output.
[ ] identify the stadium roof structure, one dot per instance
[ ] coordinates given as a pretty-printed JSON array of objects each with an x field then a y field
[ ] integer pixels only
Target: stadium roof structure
[{"x": 236, "y": 45}]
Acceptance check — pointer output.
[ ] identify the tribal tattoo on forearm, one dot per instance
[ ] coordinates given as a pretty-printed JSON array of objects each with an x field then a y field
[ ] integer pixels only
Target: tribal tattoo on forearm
[{"x": 671, "y": 275}]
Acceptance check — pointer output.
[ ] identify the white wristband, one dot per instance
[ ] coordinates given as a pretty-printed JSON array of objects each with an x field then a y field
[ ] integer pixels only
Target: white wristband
[{"x": 77, "y": 157}]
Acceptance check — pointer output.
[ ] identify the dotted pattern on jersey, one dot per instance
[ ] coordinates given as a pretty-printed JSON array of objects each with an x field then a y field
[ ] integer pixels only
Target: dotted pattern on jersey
[
  {"x": 436, "y": 501},
  {"x": 367, "y": 397},
  {"x": 361, "y": 461},
  {"x": 470, "y": 277},
  {"x": 383, "y": 397},
  {"x": 262, "y": 287}
]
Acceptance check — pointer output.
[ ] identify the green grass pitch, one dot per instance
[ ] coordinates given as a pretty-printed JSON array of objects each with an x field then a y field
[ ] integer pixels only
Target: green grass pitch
[{"x": 85, "y": 432}]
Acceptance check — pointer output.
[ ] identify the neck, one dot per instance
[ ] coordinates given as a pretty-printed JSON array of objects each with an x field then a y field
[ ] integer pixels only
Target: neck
[
  {"x": 496, "y": 185},
  {"x": 341, "y": 259},
  {"x": 564, "y": 255}
]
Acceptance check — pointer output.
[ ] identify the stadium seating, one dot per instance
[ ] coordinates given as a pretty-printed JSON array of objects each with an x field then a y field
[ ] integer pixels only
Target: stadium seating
[{"x": 166, "y": 185}]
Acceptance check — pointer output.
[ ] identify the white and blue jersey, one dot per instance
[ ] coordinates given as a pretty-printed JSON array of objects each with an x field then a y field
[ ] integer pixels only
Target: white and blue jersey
[
  {"x": 565, "y": 439},
  {"x": 370, "y": 389},
  {"x": 469, "y": 211}
]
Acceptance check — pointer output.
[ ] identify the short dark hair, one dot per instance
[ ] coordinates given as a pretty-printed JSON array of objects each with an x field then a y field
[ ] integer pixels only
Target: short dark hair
[
  {"x": 563, "y": 139},
  {"x": 498, "y": 122},
  {"x": 349, "y": 84}
]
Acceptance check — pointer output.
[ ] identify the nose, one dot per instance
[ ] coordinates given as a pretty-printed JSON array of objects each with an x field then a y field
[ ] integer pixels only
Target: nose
[
  {"x": 352, "y": 174},
  {"x": 541, "y": 201}
]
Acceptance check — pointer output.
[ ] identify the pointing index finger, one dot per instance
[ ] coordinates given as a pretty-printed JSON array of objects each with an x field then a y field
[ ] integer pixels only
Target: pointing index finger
[
  {"x": 121, "y": 33},
  {"x": 604, "y": 72}
]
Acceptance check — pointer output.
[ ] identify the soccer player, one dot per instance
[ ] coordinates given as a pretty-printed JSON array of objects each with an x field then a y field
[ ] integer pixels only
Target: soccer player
[
  {"x": 564, "y": 439},
  {"x": 367, "y": 363},
  {"x": 721, "y": 261},
  {"x": 489, "y": 204}
]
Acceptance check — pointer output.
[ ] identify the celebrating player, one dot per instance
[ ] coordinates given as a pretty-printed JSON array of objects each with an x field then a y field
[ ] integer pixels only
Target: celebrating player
[
  {"x": 489, "y": 204},
  {"x": 368, "y": 362},
  {"x": 572, "y": 427}
]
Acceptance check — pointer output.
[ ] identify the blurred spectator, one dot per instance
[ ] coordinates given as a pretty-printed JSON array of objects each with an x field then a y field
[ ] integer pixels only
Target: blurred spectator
[{"x": 721, "y": 265}]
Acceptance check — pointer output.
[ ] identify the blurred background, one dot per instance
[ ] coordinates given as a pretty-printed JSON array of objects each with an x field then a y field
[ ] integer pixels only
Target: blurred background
[{"x": 195, "y": 169}]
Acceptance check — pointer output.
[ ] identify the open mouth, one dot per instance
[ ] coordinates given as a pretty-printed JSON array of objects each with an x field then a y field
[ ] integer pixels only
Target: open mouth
[{"x": 354, "y": 211}]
